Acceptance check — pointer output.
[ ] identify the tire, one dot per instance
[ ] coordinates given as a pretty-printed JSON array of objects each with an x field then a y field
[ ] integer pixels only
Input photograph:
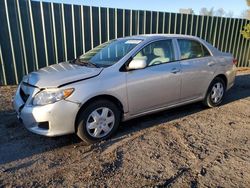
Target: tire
[
  {"x": 213, "y": 92},
  {"x": 98, "y": 121}
]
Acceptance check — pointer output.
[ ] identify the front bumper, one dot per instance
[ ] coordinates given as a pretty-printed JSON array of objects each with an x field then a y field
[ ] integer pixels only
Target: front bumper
[{"x": 60, "y": 116}]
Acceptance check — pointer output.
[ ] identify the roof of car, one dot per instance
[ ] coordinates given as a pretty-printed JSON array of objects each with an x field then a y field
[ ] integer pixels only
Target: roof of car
[
  {"x": 155, "y": 36},
  {"x": 149, "y": 37}
]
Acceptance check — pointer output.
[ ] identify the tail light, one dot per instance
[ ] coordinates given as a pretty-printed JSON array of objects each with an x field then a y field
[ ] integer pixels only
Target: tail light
[{"x": 235, "y": 61}]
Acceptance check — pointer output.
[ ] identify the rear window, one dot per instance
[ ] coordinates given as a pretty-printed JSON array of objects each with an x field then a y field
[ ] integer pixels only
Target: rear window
[{"x": 192, "y": 49}]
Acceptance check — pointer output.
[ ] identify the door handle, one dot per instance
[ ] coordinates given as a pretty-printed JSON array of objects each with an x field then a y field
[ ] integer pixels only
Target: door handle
[
  {"x": 210, "y": 64},
  {"x": 175, "y": 70}
]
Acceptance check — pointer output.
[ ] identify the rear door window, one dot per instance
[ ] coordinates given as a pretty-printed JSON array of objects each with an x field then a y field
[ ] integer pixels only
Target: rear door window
[{"x": 192, "y": 49}]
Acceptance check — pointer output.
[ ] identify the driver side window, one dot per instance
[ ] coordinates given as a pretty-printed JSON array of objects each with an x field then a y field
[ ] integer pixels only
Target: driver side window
[{"x": 157, "y": 52}]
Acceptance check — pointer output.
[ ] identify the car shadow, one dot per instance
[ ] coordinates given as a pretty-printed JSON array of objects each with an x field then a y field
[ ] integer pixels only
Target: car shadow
[
  {"x": 240, "y": 90},
  {"x": 18, "y": 143}
]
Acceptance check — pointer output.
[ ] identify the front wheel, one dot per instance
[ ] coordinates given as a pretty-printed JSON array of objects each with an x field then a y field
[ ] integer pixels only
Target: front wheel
[
  {"x": 215, "y": 93},
  {"x": 98, "y": 121}
]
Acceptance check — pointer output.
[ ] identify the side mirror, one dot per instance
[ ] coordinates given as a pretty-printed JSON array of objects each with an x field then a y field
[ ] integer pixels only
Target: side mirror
[{"x": 137, "y": 64}]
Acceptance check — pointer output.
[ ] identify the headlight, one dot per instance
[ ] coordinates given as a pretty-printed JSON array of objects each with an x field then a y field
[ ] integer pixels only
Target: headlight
[{"x": 49, "y": 96}]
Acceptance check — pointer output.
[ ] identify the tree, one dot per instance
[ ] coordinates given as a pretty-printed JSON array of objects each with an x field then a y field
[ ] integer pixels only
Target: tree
[
  {"x": 186, "y": 11},
  {"x": 246, "y": 31},
  {"x": 220, "y": 12},
  {"x": 230, "y": 14},
  {"x": 245, "y": 14},
  {"x": 211, "y": 12},
  {"x": 203, "y": 11},
  {"x": 248, "y": 2},
  {"x": 206, "y": 12}
]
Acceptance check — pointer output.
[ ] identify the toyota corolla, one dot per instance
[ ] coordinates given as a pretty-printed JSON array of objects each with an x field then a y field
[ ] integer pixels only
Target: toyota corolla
[{"x": 122, "y": 79}]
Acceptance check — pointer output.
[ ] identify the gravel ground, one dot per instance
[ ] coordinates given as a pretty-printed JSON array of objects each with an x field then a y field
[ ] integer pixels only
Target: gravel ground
[{"x": 189, "y": 146}]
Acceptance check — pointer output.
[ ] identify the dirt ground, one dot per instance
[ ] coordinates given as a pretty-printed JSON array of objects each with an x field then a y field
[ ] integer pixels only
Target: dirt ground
[{"x": 190, "y": 146}]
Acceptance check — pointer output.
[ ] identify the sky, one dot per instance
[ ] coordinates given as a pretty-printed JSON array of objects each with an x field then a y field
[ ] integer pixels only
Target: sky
[{"x": 237, "y": 6}]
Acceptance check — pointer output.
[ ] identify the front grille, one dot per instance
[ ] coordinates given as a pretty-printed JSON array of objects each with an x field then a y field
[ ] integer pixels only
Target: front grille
[{"x": 23, "y": 95}]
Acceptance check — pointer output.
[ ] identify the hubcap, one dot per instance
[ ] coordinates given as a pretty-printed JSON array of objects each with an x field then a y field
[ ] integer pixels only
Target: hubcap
[
  {"x": 217, "y": 92},
  {"x": 100, "y": 122}
]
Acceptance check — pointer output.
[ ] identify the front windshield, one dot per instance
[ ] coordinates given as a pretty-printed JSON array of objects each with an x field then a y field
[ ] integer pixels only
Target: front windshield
[{"x": 109, "y": 53}]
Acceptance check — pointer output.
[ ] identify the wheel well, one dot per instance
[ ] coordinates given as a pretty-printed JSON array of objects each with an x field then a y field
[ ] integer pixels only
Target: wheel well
[
  {"x": 223, "y": 77},
  {"x": 106, "y": 97}
]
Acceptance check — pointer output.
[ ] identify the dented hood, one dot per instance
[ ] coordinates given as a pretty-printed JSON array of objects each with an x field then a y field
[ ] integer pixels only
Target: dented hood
[{"x": 60, "y": 74}]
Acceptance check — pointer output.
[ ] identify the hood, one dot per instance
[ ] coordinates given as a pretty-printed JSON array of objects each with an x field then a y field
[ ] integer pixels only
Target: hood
[{"x": 60, "y": 74}]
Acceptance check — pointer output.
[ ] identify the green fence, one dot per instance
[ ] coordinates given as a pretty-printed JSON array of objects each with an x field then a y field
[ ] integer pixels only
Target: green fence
[{"x": 37, "y": 34}]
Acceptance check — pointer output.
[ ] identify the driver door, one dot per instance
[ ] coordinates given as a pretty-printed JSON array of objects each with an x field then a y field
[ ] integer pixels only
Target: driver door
[{"x": 157, "y": 85}]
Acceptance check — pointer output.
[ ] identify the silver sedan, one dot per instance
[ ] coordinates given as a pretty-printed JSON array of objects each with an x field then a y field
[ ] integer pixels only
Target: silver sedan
[{"x": 122, "y": 79}]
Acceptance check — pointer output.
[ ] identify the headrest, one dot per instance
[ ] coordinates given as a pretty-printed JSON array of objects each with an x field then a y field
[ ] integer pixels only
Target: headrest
[{"x": 159, "y": 52}]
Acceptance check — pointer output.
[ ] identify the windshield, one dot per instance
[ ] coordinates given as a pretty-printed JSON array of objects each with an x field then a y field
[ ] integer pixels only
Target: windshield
[{"x": 108, "y": 53}]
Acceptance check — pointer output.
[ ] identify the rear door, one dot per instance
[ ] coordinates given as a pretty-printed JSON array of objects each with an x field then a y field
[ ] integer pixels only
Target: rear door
[
  {"x": 158, "y": 84},
  {"x": 197, "y": 67}
]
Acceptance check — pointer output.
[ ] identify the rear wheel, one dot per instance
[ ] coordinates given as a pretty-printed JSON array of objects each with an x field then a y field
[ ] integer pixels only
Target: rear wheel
[
  {"x": 98, "y": 121},
  {"x": 215, "y": 93}
]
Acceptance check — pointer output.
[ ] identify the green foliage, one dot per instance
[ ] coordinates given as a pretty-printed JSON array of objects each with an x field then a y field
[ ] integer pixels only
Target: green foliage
[{"x": 246, "y": 31}]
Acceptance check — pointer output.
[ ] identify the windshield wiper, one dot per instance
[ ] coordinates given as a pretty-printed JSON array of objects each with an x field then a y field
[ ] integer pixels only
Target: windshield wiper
[
  {"x": 85, "y": 63},
  {"x": 89, "y": 63}
]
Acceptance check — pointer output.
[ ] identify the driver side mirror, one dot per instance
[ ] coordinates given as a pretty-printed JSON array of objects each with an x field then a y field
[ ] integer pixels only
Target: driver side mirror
[{"x": 137, "y": 64}]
